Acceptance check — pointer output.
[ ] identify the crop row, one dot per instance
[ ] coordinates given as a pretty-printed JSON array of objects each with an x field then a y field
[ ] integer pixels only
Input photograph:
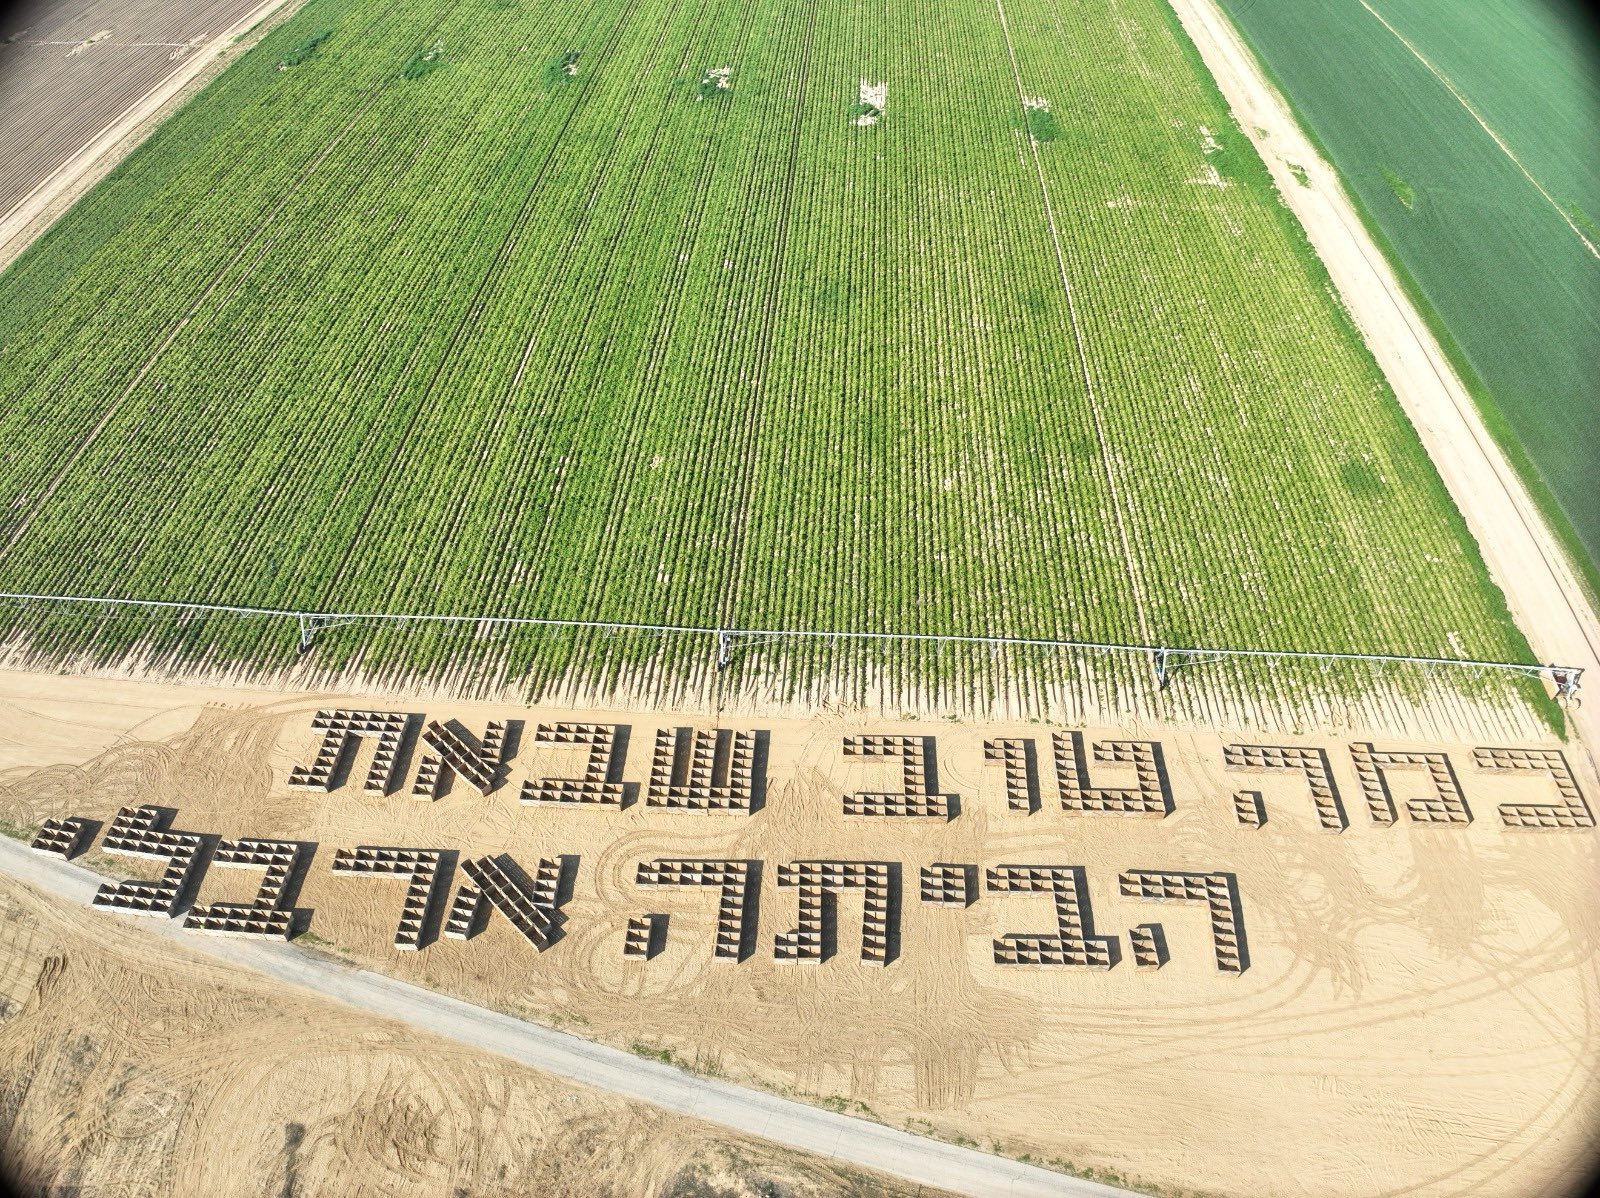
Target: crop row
[{"x": 496, "y": 338}]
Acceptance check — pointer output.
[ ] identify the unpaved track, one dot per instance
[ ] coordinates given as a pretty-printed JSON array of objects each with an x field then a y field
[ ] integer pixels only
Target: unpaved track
[
  {"x": 83, "y": 166},
  {"x": 1543, "y": 593},
  {"x": 780, "y": 1120}
]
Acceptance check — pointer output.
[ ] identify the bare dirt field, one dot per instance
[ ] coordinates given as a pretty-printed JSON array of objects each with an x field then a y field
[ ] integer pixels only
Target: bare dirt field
[
  {"x": 1415, "y": 1014},
  {"x": 130, "y": 1068},
  {"x": 80, "y": 84}
]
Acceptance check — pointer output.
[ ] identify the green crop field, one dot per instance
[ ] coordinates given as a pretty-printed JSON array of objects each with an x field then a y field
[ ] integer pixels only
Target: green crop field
[
  {"x": 1496, "y": 230},
  {"x": 833, "y": 316}
]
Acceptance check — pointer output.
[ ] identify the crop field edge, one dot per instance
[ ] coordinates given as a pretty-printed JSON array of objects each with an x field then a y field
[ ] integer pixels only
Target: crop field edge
[
  {"x": 1566, "y": 535},
  {"x": 648, "y": 670},
  {"x": 1259, "y": 180},
  {"x": 1584, "y": 566}
]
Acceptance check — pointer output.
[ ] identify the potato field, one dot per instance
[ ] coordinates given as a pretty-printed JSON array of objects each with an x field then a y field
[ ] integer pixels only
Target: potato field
[{"x": 973, "y": 317}]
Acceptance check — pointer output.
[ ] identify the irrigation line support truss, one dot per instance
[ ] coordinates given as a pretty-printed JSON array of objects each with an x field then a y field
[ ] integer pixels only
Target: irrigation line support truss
[
  {"x": 311, "y": 624},
  {"x": 1165, "y": 659},
  {"x": 729, "y": 639}
]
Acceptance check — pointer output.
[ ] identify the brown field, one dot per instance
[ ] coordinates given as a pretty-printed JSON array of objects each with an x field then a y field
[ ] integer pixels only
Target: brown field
[
  {"x": 130, "y": 1068},
  {"x": 1416, "y": 1015},
  {"x": 72, "y": 75}
]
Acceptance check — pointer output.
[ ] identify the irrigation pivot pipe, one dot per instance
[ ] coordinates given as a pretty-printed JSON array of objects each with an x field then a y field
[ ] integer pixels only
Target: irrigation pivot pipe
[{"x": 1165, "y": 658}]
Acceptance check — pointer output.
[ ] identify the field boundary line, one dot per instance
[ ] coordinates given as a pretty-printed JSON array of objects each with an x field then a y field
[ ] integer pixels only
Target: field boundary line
[
  {"x": 1164, "y": 658},
  {"x": 112, "y": 45},
  {"x": 1077, "y": 331},
  {"x": 1495, "y": 137}
]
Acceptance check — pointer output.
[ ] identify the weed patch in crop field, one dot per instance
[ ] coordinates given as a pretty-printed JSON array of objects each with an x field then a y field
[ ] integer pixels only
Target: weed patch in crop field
[
  {"x": 1042, "y": 123},
  {"x": 562, "y": 68},
  {"x": 871, "y": 98},
  {"x": 1403, "y": 191},
  {"x": 715, "y": 83},
  {"x": 305, "y": 49},
  {"x": 424, "y": 62},
  {"x": 1581, "y": 218}
]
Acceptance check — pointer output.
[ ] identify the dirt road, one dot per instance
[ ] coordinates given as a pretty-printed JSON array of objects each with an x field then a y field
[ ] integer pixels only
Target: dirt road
[
  {"x": 132, "y": 1066},
  {"x": 781, "y": 1120},
  {"x": 1543, "y": 593},
  {"x": 67, "y": 163}
]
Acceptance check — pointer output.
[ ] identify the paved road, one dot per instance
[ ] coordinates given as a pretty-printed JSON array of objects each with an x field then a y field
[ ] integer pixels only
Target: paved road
[{"x": 754, "y": 1112}]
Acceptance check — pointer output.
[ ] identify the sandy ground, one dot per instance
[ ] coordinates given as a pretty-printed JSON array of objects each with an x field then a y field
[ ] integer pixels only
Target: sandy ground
[
  {"x": 1417, "y": 1015},
  {"x": 80, "y": 167},
  {"x": 204, "y": 1080},
  {"x": 844, "y": 1139},
  {"x": 1543, "y": 593}
]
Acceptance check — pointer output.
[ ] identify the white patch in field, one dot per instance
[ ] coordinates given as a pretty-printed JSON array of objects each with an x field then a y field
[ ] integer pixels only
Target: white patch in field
[
  {"x": 720, "y": 78},
  {"x": 1036, "y": 102},
  {"x": 1210, "y": 178},
  {"x": 87, "y": 42},
  {"x": 875, "y": 96},
  {"x": 1208, "y": 143}
]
